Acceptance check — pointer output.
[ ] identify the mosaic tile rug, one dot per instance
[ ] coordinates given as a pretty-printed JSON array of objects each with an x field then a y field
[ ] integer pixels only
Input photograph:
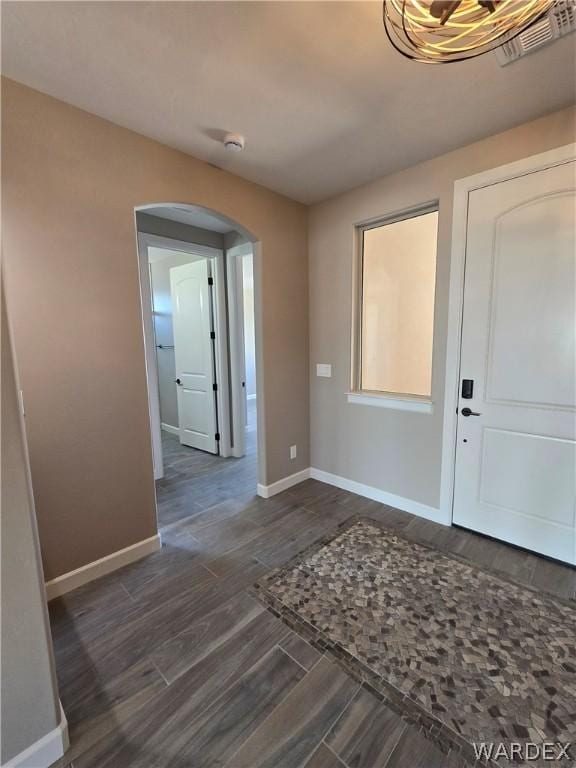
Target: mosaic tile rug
[{"x": 467, "y": 655}]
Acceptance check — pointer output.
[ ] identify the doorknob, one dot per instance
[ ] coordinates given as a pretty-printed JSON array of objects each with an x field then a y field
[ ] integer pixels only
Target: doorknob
[
  {"x": 177, "y": 381},
  {"x": 467, "y": 412}
]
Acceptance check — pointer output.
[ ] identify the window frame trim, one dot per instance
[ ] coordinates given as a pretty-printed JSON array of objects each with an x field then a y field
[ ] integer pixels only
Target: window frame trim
[
  {"x": 357, "y": 395},
  {"x": 415, "y": 403}
]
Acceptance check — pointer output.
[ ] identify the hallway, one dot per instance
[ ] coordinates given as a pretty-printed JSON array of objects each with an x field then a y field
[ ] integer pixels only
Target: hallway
[{"x": 194, "y": 480}]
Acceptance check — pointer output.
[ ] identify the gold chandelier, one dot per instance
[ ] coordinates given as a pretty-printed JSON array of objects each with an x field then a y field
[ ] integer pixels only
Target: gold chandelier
[{"x": 442, "y": 31}]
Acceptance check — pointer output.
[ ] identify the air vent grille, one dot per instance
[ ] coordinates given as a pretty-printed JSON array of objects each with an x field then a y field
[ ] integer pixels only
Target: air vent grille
[
  {"x": 563, "y": 17},
  {"x": 536, "y": 35},
  {"x": 559, "y": 21}
]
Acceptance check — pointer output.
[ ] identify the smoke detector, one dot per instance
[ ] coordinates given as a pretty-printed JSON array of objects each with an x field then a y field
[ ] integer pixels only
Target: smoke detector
[
  {"x": 234, "y": 142},
  {"x": 559, "y": 21}
]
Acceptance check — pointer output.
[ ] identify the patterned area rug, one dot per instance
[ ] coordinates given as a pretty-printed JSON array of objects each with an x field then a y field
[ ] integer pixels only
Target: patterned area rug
[{"x": 469, "y": 656}]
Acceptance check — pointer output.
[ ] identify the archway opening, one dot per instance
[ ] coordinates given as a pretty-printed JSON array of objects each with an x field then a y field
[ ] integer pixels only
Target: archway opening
[{"x": 200, "y": 300}]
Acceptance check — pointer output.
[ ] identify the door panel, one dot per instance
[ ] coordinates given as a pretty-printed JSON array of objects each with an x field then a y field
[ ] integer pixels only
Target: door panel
[
  {"x": 194, "y": 355},
  {"x": 516, "y": 461},
  {"x": 541, "y": 314},
  {"x": 538, "y": 481}
]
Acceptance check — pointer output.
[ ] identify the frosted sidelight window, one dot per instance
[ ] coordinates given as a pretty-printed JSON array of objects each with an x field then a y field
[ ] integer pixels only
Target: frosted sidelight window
[{"x": 397, "y": 305}]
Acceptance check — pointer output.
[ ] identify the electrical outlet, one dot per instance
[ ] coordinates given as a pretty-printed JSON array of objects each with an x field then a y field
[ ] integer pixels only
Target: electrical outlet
[{"x": 293, "y": 451}]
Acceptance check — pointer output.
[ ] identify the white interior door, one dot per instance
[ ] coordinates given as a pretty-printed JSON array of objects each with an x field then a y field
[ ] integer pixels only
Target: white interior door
[
  {"x": 515, "y": 473},
  {"x": 194, "y": 355}
]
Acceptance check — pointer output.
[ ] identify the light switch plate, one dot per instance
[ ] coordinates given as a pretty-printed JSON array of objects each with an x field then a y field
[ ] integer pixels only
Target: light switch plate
[
  {"x": 324, "y": 369},
  {"x": 293, "y": 451}
]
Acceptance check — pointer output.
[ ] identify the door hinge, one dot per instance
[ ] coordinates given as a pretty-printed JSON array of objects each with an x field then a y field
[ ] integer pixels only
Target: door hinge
[
  {"x": 215, "y": 387},
  {"x": 217, "y": 436},
  {"x": 210, "y": 281},
  {"x": 212, "y": 334}
]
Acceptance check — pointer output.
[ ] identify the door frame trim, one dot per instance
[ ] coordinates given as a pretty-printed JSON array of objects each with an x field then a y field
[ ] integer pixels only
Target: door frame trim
[
  {"x": 462, "y": 189},
  {"x": 234, "y": 271},
  {"x": 216, "y": 256}
]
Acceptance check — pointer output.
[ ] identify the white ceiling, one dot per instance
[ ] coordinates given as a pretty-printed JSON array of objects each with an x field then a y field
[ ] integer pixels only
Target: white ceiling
[{"x": 323, "y": 100}]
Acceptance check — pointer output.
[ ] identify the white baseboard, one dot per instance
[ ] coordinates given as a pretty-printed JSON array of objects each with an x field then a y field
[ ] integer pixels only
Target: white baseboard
[
  {"x": 171, "y": 429},
  {"x": 390, "y": 499},
  {"x": 251, "y": 397},
  {"x": 266, "y": 491},
  {"x": 46, "y": 750},
  {"x": 368, "y": 491},
  {"x": 69, "y": 581}
]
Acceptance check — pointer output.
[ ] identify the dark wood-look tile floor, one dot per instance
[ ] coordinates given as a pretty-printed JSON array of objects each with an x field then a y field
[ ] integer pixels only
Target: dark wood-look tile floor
[
  {"x": 194, "y": 480},
  {"x": 172, "y": 662}
]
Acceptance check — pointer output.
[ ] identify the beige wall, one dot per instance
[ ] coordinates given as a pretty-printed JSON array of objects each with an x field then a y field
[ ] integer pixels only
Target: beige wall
[
  {"x": 70, "y": 185},
  {"x": 30, "y": 707},
  {"x": 396, "y": 451}
]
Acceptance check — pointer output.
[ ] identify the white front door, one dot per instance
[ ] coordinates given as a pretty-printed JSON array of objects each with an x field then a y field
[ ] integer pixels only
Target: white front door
[
  {"x": 194, "y": 355},
  {"x": 515, "y": 474}
]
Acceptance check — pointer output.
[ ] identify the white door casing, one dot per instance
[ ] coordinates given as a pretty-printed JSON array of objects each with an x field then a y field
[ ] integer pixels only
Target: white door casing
[
  {"x": 234, "y": 257},
  {"x": 515, "y": 475},
  {"x": 216, "y": 256},
  {"x": 192, "y": 315}
]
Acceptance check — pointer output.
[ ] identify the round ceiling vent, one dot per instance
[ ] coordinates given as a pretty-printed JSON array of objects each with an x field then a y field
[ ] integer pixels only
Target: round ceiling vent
[{"x": 234, "y": 142}]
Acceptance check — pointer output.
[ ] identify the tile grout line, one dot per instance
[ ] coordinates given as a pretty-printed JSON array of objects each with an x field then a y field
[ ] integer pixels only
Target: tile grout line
[
  {"x": 185, "y": 521},
  {"x": 157, "y": 668},
  {"x": 125, "y": 588},
  {"x": 260, "y": 532},
  {"x": 186, "y": 629},
  {"x": 333, "y": 752},
  {"x": 154, "y": 579},
  {"x": 280, "y": 648},
  {"x": 337, "y": 720},
  {"x": 344, "y": 709},
  {"x": 286, "y": 636},
  {"x": 401, "y": 734},
  {"x": 203, "y": 565},
  {"x": 221, "y": 695},
  {"x": 228, "y": 763}
]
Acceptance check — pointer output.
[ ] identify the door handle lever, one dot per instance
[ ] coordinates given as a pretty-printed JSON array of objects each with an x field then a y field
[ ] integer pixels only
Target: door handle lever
[
  {"x": 468, "y": 412},
  {"x": 177, "y": 381}
]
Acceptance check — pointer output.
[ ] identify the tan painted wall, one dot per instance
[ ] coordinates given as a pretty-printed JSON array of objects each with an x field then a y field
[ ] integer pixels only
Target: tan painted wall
[
  {"x": 396, "y": 451},
  {"x": 30, "y": 707},
  {"x": 70, "y": 185}
]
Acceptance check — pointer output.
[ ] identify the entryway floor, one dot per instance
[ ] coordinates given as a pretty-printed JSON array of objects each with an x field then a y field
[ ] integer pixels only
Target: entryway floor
[
  {"x": 467, "y": 655},
  {"x": 172, "y": 662}
]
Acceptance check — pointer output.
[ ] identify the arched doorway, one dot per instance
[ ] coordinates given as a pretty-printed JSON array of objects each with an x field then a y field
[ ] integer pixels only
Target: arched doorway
[{"x": 199, "y": 295}]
